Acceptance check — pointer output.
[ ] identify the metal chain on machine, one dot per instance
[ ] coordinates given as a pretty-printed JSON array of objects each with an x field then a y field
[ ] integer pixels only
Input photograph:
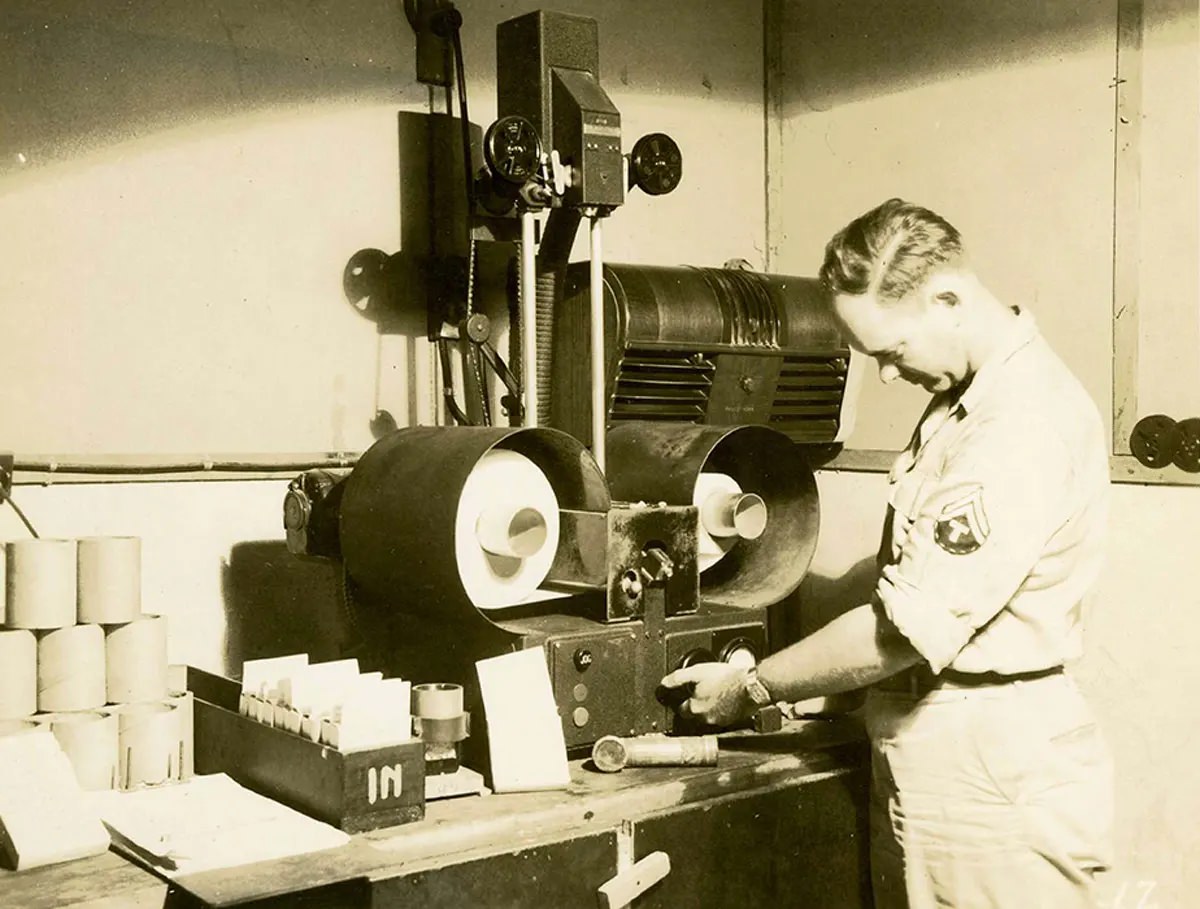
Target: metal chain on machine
[
  {"x": 350, "y": 608},
  {"x": 474, "y": 357}
]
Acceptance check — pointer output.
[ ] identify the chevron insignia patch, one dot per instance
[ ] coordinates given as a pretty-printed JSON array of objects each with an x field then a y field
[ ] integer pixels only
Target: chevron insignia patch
[{"x": 962, "y": 527}]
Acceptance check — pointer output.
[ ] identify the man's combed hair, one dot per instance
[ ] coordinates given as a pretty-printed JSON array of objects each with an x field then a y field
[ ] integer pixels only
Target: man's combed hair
[{"x": 891, "y": 249}]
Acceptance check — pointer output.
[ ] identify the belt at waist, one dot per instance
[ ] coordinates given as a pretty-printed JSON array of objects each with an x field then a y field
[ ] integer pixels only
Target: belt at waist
[{"x": 920, "y": 679}]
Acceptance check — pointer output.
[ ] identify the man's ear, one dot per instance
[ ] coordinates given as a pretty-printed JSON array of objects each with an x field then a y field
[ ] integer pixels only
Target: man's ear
[{"x": 947, "y": 298}]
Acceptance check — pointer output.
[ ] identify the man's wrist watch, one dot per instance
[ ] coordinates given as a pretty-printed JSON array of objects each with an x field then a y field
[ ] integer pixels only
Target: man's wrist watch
[{"x": 756, "y": 690}]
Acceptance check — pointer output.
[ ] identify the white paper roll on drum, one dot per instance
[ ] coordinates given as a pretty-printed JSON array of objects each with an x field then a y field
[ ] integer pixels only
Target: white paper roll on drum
[
  {"x": 712, "y": 489},
  {"x": 136, "y": 654},
  {"x": 506, "y": 529},
  {"x": 40, "y": 583},
  {"x": 18, "y": 674},
  {"x": 70, "y": 669},
  {"x": 89, "y": 739},
  {"x": 109, "y": 579},
  {"x": 149, "y": 744}
]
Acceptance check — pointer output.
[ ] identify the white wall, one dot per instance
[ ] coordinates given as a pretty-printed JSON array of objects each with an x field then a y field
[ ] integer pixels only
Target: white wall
[
  {"x": 181, "y": 187},
  {"x": 1001, "y": 121}
]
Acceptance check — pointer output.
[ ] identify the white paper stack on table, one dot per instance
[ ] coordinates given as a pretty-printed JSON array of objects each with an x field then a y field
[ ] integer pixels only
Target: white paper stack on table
[
  {"x": 45, "y": 816},
  {"x": 208, "y": 822}
]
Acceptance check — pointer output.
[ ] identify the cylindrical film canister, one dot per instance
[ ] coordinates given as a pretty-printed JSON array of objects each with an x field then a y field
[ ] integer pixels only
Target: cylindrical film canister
[{"x": 611, "y": 753}]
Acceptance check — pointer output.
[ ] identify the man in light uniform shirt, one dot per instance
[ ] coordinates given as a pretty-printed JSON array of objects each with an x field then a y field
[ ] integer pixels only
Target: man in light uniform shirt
[{"x": 992, "y": 786}]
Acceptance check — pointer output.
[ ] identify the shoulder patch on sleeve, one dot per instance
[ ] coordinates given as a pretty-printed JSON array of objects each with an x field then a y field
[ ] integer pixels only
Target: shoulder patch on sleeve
[{"x": 962, "y": 527}]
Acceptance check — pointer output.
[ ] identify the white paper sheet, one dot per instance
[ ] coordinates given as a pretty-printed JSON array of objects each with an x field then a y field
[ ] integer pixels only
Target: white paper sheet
[
  {"x": 44, "y": 816},
  {"x": 208, "y": 822},
  {"x": 525, "y": 734}
]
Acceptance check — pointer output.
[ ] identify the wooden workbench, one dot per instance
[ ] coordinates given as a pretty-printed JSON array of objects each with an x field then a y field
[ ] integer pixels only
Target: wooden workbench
[{"x": 780, "y": 820}]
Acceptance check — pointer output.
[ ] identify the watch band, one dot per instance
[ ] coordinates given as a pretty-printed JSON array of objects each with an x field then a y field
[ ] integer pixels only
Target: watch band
[{"x": 756, "y": 690}]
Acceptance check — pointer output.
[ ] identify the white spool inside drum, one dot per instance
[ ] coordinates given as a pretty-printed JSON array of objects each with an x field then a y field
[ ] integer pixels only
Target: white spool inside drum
[
  {"x": 728, "y": 515},
  {"x": 505, "y": 530},
  {"x": 512, "y": 530}
]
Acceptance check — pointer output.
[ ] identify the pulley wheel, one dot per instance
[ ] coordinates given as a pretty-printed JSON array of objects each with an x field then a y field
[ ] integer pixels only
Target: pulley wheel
[{"x": 1187, "y": 454}]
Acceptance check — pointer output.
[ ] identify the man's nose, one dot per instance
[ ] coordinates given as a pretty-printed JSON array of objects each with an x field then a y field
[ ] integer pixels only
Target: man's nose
[{"x": 888, "y": 373}]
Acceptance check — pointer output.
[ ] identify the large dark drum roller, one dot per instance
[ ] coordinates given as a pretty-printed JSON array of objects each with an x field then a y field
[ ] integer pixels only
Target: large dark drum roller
[
  {"x": 400, "y": 513},
  {"x": 770, "y": 517}
]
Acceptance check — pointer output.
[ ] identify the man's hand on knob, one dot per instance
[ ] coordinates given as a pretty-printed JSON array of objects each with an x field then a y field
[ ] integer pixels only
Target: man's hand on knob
[{"x": 712, "y": 692}]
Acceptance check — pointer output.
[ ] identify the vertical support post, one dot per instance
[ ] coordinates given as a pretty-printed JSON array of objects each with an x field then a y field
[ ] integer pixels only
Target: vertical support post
[
  {"x": 599, "y": 386},
  {"x": 528, "y": 320},
  {"x": 773, "y": 21},
  {"x": 1127, "y": 214}
]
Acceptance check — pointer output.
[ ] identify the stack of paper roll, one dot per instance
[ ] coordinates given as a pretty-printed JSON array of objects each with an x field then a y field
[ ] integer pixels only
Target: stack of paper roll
[{"x": 76, "y": 652}]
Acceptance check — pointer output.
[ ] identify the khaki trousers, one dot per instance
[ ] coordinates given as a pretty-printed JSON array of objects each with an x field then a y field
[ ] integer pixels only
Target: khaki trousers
[{"x": 988, "y": 797}]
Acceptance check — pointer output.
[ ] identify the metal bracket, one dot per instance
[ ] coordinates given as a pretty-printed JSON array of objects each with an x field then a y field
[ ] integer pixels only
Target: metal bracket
[{"x": 632, "y": 878}]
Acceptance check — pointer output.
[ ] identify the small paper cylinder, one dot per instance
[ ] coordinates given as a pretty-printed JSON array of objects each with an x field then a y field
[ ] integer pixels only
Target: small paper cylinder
[
  {"x": 40, "y": 583},
  {"x": 136, "y": 653},
  {"x": 149, "y": 742},
  {"x": 109, "y": 579},
  {"x": 437, "y": 700},
  {"x": 18, "y": 674},
  {"x": 89, "y": 739},
  {"x": 70, "y": 670}
]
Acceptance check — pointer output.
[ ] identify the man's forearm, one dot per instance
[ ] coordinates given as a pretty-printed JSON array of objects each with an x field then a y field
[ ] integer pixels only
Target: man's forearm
[{"x": 856, "y": 649}]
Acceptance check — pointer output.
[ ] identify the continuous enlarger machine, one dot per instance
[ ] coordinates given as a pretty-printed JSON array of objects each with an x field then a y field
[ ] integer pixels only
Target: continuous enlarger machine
[
  {"x": 651, "y": 493},
  {"x": 624, "y": 486}
]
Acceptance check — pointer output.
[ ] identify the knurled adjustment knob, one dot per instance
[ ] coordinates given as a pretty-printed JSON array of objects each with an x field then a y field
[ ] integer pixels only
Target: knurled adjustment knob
[
  {"x": 297, "y": 508},
  {"x": 1155, "y": 439}
]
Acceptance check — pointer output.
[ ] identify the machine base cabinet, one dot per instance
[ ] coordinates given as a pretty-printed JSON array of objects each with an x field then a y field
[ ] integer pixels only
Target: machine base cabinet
[
  {"x": 792, "y": 848},
  {"x": 561, "y": 874}
]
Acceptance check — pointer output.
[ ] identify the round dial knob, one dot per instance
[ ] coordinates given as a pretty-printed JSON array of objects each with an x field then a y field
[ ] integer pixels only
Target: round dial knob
[
  {"x": 512, "y": 149},
  {"x": 655, "y": 164}
]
